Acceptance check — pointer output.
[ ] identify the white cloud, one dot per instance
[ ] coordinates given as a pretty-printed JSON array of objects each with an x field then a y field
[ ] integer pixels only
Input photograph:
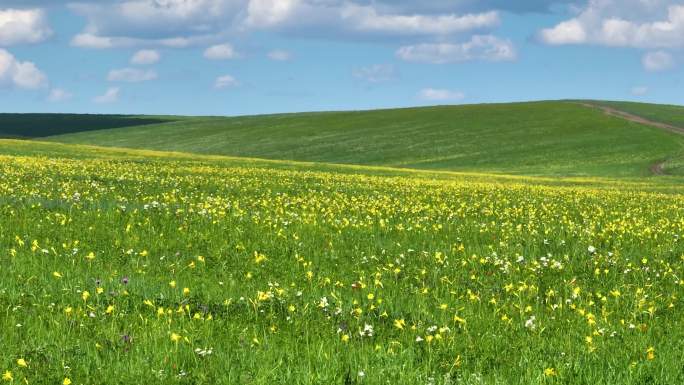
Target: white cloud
[
  {"x": 110, "y": 96},
  {"x": 221, "y": 52},
  {"x": 649, "y": 24},
  {"x": 88, "y": 40},
  {"x": 205, "y": 22},
  {"x": 367, "y": 18},
  {"x": 280, "y": 55},
  {"x": 20, "y": 74},
  {"x": 658, "y": 61},
  {"x": 225, "y": 81},
  {"x": 59, "y": 95},
  {"x": 23, "y": 26},
  {"x": 639, "y": 90},
  {"x": 487, "y": 47},
  {"x": 433, "y": 94},
  {"x": 376, "y": 73},
  {"x": 145, "y": 57},
  {"x": 131, "y": 75}
]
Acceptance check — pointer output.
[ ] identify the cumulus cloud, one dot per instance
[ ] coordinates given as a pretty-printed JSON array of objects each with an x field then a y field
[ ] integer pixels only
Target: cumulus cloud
[
  {"x": 145, "y": 57},
  {"x": 221, "y": 52},
  {"x": 650, "y": 24},
  {"x": 20, "y": 26},
  {"x": 59, "y": 95},
  {"x": 280, "y": 55},
  {"x": 110, "y": 96},
  {"x": 658, "y": 61},
  {"x": 479, "y": 47},
  {"x": 18, "y": 74},
  {"x": 202, "y": 22},
  {"x": 376, "y": 73},
  {"x": 434, "y": 95},
  {"x": 131, "y": 75},
  {"x": 225, "y": 81}
]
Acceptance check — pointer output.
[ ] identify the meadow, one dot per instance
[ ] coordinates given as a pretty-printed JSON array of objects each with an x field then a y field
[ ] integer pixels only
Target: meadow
[{"x": 127, "y": 266}]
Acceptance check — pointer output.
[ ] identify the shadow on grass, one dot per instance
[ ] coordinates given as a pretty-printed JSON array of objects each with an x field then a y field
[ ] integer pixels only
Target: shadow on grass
[{"x": 27, "y": 126}]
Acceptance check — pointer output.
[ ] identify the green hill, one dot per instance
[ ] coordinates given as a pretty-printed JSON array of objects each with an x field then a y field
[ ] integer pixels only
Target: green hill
[
  {"x": 24, "y": 126},
  {"x": 537, "y": 138}
]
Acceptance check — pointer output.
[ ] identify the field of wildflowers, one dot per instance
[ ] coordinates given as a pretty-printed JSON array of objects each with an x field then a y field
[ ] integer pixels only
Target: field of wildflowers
[{"x": 134, "y": 269}]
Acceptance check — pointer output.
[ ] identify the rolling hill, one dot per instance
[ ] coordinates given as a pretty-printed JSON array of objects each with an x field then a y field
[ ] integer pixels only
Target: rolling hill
[{"x": 536, "y": 138}]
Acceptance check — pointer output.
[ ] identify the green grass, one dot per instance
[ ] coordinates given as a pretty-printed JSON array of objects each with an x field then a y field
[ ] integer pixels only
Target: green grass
[
  {"x": 670, "y": 114},
  {"x": 282, "y": 260},
  {"x": 541, "y": 138}
]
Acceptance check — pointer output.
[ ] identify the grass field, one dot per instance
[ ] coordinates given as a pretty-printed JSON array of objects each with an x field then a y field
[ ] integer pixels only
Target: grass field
[
  {"x": 542, "y": 138},
  {"x": 299, "y": 275},
  {"x": 123, "y": 266}
]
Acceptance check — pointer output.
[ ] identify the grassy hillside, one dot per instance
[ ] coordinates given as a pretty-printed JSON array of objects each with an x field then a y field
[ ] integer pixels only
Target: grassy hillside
[
  {"x": 42, "y": 125},
  {"x": 543, "y": 138},
  {"x": 669, "y": 114}
]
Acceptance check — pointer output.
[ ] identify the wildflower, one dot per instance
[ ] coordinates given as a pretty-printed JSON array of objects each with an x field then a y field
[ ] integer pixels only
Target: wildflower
[
  {"x": 85, "y": 295},
  {"x": 367, "y": 331},
  {"x": 186, "y": 291},
  {"x": 68, "y": 310},
  {"x": 399, "y": 324},
  {"x": 591, "y": 249},
  {"x": 7, "y": 376},
  {"x": 110, "y": 309},
  {"x": 172, "y": 284},
  {"x": 345, "y": 338},
  {"x": 175, "y": 337},
  {"x": 22, "y": 363},
  {"x": 90, "y": 256},
  {"x": 550, "y": 372},
  {"x": 67, "y": 381},
  {"x": 650, "y": 353},
  {"x": 57, "y": 274}
]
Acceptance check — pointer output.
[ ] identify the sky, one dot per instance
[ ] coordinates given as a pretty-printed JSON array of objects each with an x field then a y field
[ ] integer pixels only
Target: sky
[{"x": 239, "y": 57}]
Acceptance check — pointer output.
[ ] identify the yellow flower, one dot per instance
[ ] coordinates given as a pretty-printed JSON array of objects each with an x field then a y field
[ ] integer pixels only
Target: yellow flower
[
  {"x": 110, "y": 309},
  {"x": 67, "y": 381},
  {"x": 7, "y": 376},
  {"x": 57, "y": 274},
  {"x": 370, "y": 296},
  {"x": 68, "y": 310},
  {"x": 650, "y": 353},
  {"x": 90, "y": 256},
  {"x": 85, "y": 295},
  {"x": 175, "y": 337},
  {"x": 186, "y": 291},
  {"x": 345, "y": 338},
  {"x": 22, "y": 363},
  {"x": 99, "y": 290},
  {"x": 399, "y": 323},
  {"x": 172, "y": 284},
  {"x": 550, "y": 372}
]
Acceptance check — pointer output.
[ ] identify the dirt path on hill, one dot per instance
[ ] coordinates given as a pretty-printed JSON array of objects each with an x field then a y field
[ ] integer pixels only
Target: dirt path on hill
[{"x": 658, "y": 168}]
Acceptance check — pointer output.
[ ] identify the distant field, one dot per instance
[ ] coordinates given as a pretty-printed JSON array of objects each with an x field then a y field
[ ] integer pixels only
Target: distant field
[
  {"x": 541, "y": 138},
  {"x": 669, "y": 114}
]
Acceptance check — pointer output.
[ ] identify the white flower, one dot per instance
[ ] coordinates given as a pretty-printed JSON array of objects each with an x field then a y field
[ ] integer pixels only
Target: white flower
[
  {"x": 367, "y": 331},
  {"x": 419, "y": 339},
  {"x": 591, "y": 249},
  {"x": 530, "y": 323},
  {"x": 361, "y": 373}
]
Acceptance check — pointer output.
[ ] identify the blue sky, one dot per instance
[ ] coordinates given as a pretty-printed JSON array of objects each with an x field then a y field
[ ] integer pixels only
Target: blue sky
[{"x": 234, "y": 57}]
